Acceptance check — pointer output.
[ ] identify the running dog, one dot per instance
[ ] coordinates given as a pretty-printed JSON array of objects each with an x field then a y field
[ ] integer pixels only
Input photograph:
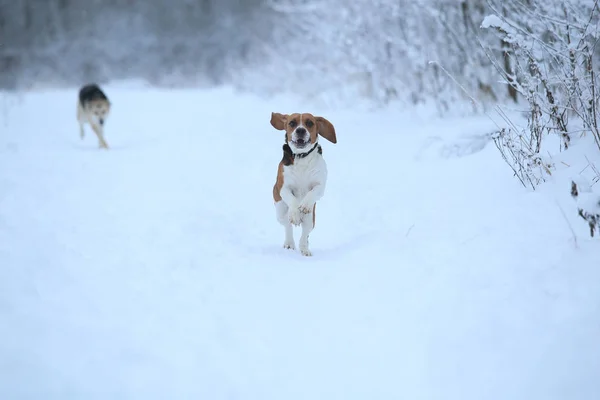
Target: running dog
[
  {"x": 302, "y": 173},
  {"x": 93, "y": 108}
]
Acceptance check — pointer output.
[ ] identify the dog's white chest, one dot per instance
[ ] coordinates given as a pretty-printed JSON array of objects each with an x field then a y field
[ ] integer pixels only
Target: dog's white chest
[{"x": 305, "y": 174}]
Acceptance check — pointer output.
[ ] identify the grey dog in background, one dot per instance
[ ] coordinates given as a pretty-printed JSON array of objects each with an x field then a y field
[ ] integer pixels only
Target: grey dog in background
[{"x": 93, "y": 108}]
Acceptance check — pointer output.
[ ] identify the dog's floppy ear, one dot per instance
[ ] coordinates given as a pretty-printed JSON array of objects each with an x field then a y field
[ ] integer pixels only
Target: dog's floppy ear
[
  {"x": 278, "y": 121},
  {"x": 326, "y": 129}
]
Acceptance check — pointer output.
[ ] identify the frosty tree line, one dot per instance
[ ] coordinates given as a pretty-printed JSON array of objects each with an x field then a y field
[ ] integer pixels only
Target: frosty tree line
[{"x": 541, "y": 53}]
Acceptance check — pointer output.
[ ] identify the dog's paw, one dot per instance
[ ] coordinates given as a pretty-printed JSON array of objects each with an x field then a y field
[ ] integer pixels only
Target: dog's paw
[
  {"x": 289, "y": 245},
  {"x": 295, "y": 217},
  {"x": 305, "y": 208},
  {"x": 305, "y": 252}
]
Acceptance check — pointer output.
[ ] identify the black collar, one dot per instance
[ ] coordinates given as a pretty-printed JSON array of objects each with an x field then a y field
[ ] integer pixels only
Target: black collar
[
  {"x": 302, "y": 155},
  {"x": 288, "y": 149}
]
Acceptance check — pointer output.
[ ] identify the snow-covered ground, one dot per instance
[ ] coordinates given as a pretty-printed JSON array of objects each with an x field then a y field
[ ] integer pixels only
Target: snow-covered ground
[{"x": 155, "y": 270}]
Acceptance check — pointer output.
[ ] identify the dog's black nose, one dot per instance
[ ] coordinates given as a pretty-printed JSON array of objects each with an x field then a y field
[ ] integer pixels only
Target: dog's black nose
[
  {"x": 300, "y": 131},
  {"x": 101, "y": 121}
]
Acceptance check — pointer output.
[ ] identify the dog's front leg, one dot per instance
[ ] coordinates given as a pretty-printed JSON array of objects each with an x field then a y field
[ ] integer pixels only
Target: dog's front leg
[
  {"x": 308, "y": 202},
  {"x": 294, "y": 214},
  {"x": 100, "y": 133},
  {"x": 98, "y": 128}
]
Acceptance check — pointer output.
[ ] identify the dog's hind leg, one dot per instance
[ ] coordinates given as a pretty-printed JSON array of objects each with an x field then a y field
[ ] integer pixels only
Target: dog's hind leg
[
  {"x": 281, "y": 210},
  {"x": 81, "y": 120},
  {"x": 308, "y": 224}
]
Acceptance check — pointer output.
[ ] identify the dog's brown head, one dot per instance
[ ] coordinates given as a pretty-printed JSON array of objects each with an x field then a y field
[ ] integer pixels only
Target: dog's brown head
[{"x": 303, "y": 129}]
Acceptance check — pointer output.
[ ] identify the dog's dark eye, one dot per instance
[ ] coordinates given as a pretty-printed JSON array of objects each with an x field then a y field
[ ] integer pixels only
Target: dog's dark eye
[
  {"x": 309, "y": 123},
  {"x": 293, "y": 123}
]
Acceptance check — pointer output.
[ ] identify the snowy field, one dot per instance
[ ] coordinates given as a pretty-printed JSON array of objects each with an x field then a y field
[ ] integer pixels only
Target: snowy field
[{"x": 155, "y": 270}]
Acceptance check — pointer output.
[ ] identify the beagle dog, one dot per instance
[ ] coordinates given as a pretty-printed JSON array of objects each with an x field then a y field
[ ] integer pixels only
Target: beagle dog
[{"x": 302, "y": 173}]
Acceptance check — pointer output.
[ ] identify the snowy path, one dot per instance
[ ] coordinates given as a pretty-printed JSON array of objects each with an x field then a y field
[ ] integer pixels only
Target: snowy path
[{"x": 155, "y": 270}]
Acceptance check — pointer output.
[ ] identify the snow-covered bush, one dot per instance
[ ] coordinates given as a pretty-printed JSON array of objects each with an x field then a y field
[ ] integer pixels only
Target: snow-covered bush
[
  {"x": 550, "y": 60},
  {"x": 528, "y": 165},
  {"x": 423, "y": 51}
]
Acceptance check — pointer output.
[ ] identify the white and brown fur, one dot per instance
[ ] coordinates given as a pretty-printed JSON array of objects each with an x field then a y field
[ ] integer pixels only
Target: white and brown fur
[
  {"x": 93, "y": 108},
  {"x": 302, "y": 173}
]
